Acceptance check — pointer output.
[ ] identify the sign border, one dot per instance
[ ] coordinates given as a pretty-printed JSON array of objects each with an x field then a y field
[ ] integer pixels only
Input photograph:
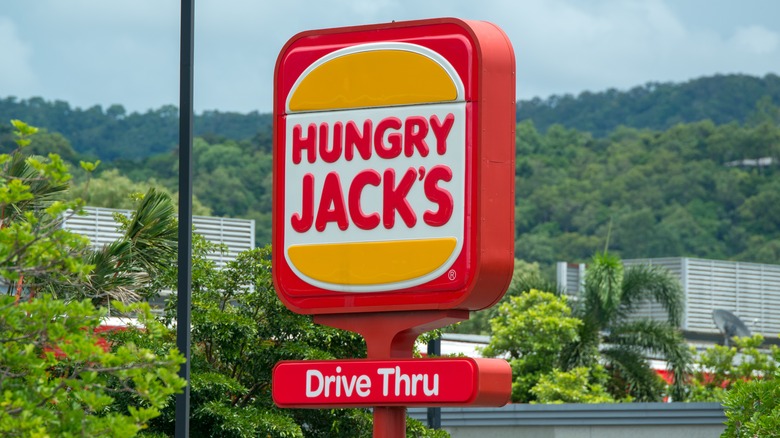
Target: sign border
[{"x": 488, "y": 249}]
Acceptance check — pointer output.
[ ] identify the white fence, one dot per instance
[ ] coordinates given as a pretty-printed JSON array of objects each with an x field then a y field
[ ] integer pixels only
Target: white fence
[
  {"x": 749, "y": 290},
  {"x": 99, "y": 226}
]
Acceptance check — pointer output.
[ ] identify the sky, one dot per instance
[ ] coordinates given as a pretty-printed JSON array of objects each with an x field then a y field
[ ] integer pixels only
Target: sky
[{"x": 126, "y": 52}]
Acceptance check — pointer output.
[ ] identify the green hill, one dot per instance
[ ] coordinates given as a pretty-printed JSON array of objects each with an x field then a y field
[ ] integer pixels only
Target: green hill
[
  {"x": 661, "y": 170},
  {"x": 721, "y": 99},
  {"x": 111, "y": 134}
]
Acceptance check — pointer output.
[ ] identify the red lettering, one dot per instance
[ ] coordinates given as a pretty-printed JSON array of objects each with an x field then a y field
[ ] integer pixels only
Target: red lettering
[
  {"x": 391, "y": 137},
  {"x": 438, "y": 195},
  {"x": 415, "y": 131},
  {"x": 354, "y": 139},
  {"x": 395, "y": 198},
  {"x": 331, "y": 196},
  {"x": 441, "y": 130},
  {"x": 360, "y": 219},
  {"x": 334, "y": 153},
  {"x": 300, "y": 143},
  {"x": 302, "y": 222},
  {"x": 394, "y": 139}
]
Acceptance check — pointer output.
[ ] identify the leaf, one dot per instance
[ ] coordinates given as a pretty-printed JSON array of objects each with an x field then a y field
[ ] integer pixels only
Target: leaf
[{"x": 88, "y": 166}]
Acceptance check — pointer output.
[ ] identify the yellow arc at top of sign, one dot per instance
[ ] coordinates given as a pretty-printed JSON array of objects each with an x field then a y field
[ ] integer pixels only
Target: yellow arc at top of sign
[
  {"x": 373, "y": 78},
  {"x": 371, "y": 263}
]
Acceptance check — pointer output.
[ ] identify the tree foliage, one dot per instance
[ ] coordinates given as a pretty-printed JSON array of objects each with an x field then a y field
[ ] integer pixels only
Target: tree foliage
[
  {"x": 674, "y": 193},
  {"x": 578, "y": 385},
  {"x": 720, "y": 367},
  {"x": 658, "y": 106},
  {"x": 752, "y": 409},
  {"x": 30, "y": 207},
  {"x": 668, "y": 165},
  {"x": 62, "y": 382},
  {"x": 110, "y": 189},
  {"x": 621, "y": 343},
  {"x": 531, "y": 330},
  {"x": 56, "y": 378},
  {"x": 550, "y": 346},
  {"x": 240, "y": 330},
  {"x": 113, "y": 133},
  {"x": 526, "y": 276}
]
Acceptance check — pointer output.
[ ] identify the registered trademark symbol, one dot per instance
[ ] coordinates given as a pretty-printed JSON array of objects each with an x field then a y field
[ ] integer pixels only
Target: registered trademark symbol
[{"x": 451, "y": 275}]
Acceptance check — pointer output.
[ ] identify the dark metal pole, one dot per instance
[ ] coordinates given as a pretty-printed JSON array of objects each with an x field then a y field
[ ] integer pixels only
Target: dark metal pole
[
  {"x": 434, "y": 414},
  {"x": 183, "y": 309}
]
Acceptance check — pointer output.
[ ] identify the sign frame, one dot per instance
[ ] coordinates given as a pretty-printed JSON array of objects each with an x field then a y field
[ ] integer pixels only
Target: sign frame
[{"x": 484, "y": 61}]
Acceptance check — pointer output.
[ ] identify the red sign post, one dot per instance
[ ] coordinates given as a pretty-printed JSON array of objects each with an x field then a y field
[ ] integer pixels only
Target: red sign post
[{"x": 393, "y": 192}]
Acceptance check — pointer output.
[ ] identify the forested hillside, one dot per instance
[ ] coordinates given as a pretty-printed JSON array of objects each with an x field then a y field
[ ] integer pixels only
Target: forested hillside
[
  {"x": 673, "y": 186},
  {"x": 658, "y": 106},
  {"x": 110, "y": 134},
  {"x": 113, "y": 133},
  {"x": 696, "y": 190}
]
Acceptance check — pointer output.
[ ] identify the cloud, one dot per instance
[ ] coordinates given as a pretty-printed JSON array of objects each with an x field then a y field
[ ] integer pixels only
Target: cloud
[
  {"x": 566, "y": 47},
  {"x": 16, "y": 76},
  {"x": 90, "y": 52},
  {"x": 126, "y": 51},
  {"x": 756, "y": 40}
]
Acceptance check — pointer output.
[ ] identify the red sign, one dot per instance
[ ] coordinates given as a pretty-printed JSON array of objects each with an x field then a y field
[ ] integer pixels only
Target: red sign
[
  {"x": 410, "y": 382},
  {"x": 394, "y": 167}
]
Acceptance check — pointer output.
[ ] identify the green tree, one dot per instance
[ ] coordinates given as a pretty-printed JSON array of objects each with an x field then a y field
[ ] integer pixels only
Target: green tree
[
  {"x": 531, "y": 330},
  {"x": 720, "y": 367},
  {"x": 574, "y": 386},
  {"x": 44, "y": 143},
  {"x": 120, "y": 270},
  {"x": 240, "y": 330},
  {"x": 761, "y": 210},
  {"x": 655, "y": 105},
  {"x": 40, "y": 256},
  {"x": 752, "y": 409},
  {"x": 525, "y": 277},
  {"x": 621, "y": 343},
  {"x": 30, "y": 207},
  {"x": 110, "y": 189},
  {"x": 56, "y": 378}
]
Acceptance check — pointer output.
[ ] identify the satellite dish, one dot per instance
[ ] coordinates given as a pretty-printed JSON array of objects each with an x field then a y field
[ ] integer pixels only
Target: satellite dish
[{"x": 730, "y": 325}]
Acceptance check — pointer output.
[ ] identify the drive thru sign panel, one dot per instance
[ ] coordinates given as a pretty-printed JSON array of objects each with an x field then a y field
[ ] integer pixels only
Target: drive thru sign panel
[
  {"x": 412, "y": 382},
  {"x": 394, "y": 168}
]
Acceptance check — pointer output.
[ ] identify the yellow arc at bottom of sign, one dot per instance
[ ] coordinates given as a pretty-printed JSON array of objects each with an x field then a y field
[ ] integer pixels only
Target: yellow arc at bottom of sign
[{"x": 371, "y": 263}]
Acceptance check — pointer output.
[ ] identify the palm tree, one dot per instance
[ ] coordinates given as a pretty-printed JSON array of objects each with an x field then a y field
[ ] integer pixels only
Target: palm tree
[
  {"x": 146, "y": 249},
  {"x": 608, "y": 334},
  {"x": 122, "y": 268},
  {"x": 43, "y": 257}
]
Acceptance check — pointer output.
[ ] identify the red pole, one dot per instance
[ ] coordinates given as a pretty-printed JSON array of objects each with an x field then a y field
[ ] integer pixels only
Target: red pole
[
  {"x": 391, "y": 335},
  {"x": 389, "y": 422}
]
